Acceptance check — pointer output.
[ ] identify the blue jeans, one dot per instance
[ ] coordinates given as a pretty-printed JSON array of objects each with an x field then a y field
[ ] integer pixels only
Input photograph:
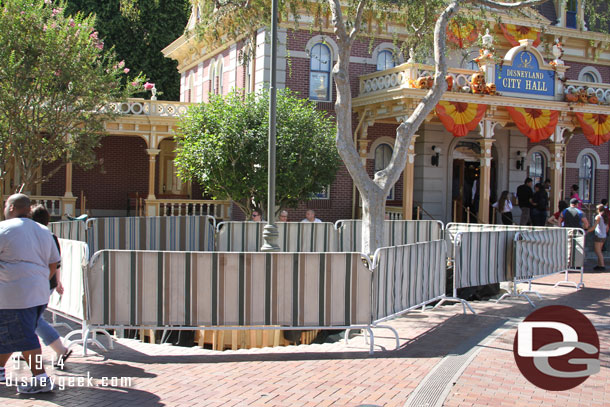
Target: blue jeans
[
  {"x": 17, "y": 328},
  {"x": 47, "y": 333}
]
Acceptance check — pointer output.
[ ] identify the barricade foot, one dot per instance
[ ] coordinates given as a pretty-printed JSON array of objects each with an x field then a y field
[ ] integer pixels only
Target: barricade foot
[
  {"x": 455, "y": 299},
  {"x": 516, "y": 295},
  {"x": 372, "y": 348},
  {"x": 394, "y": 331},
  {"x": 88, "y": 338},
  {"x": 533, "y": 292}
]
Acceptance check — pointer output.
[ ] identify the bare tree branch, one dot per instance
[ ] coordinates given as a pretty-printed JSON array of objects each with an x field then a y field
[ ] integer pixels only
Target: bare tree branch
[
  {"x": 388, "y": 177},
  {"x": 338, "y": 23},
  {"x": 358, "y": 19}
]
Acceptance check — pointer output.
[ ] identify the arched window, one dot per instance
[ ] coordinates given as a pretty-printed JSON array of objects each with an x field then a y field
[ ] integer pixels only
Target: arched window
[
  {"x": 383, "y": 155},
  {"x": 589, "y": 77},
  {"x": 319, "y": 73},
  {"x": 589, "y": 74},
  {"x": 219, "y": 76},
  {"x": 586, "y": 179},
  {"x": 537, "y": 167},
  {"x": 212, "y": 77},
  {"x": 385, "y": 60}
]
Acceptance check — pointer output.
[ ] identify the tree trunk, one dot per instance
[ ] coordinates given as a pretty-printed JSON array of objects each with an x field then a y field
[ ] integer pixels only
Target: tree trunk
[{"x": 373, "y": 221}]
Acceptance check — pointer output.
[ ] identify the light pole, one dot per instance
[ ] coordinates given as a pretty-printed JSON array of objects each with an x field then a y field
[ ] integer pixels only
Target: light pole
[{"x": 270, "y": 234}]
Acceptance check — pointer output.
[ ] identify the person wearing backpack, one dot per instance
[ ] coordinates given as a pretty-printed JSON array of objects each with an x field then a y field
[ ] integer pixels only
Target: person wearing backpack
[{"x": 573, "y": 217}]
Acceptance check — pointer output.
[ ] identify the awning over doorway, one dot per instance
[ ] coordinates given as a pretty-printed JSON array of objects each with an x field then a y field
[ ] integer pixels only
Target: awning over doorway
[
  {"x": 536, "y": 124},
  {"x": 459, "y": 117},
  {"x": 595, "y": 126}
]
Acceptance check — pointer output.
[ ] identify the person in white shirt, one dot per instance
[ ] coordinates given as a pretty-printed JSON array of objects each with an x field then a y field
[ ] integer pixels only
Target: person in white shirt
[
  {"x": 28, "y": 259},
  {"x": 505, "y": 207},
  {"x": 310, "y": 216},
  {"x": 601, "y": 232}
]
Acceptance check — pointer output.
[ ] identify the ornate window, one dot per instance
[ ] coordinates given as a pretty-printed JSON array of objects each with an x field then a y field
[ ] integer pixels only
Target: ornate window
[
  {"x": 319, "y": 72},
  {"x": 586, "y": 178},
  {"x": 383, "y": 155},
  {"x": 385, "y": 60},
  {"x": 589, "y": 74},
  {"x": 537, "y": 167}
]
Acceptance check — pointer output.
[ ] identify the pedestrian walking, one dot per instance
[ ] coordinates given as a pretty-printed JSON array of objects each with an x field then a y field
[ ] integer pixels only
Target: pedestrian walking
[
  {"x": 600, "y": 228},
  {"x": 505, "y": 207},
  {"x": 28, "y": 258},
  {"x": 48, "y": 334}
]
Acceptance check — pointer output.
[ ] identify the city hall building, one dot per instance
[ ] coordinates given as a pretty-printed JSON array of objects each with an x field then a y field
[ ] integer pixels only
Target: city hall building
[{"x": 534, "y": 103}]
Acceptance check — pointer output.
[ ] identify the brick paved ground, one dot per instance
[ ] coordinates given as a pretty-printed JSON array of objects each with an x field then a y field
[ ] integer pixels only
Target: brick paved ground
[{"x": 335, "y": 374}]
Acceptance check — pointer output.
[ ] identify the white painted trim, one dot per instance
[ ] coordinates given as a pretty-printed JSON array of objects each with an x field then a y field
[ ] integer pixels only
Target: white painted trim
[
  {"x": 547, "y": 158},
  {"x": 576, "y": 166},
  {"x": 381, "y": 140},
  {"x": 591, "y": 70},
  {"x": 385, "y": 46},
  {"x": 323, "y": 39}
]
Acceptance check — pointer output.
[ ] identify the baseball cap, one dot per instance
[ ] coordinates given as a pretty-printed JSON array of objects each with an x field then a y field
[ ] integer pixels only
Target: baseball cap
[{"x": 573, "y": 201}]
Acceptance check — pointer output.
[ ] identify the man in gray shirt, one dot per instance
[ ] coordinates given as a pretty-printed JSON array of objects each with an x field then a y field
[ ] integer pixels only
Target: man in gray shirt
[{"x": 28, "y": 258}]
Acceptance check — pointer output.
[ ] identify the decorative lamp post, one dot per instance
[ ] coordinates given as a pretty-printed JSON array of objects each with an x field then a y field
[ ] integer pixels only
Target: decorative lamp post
[{"x": 270, "y": 234}]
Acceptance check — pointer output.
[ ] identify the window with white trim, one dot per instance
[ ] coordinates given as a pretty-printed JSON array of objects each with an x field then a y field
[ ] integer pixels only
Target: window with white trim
[
  {"x": 383, "y": 155},
  {"x": 219, "y": 77},
  {"x": 212, "y": 75},
  {"x": 589, "y": 74},
  {"x": 319, "y": 72},
  {"x": 586, "y": 177},
  {"x": 324, "y": 194},
  {"x": 385, "y": 60},
  {"x": 537, "y": 167}
]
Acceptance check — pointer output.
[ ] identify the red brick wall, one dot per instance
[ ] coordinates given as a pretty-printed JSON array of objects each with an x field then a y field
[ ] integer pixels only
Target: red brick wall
[
  {"x": 576, "y": 67},
  {"x": 124, "y": 170}
]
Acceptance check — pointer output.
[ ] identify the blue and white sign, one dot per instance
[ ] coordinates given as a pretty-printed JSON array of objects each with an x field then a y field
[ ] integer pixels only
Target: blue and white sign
[{"x": 525, "y": 76}]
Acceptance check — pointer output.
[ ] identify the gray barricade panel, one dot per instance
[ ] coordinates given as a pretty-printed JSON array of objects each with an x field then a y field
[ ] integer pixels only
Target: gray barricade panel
[
  {"x": 407, "y": 276},
  {"x": 150, "y": 288},
  {"x": 396, "y": 233},
  {"x": 180, "y": 233},
  {"x": 293, "y": 236}
]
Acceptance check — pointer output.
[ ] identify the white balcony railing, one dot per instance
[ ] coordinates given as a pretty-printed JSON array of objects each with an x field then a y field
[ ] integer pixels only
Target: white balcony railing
[
  {"x": 401, "y": 75},
  {"x": 144, "y": 107},
  {"x": 601, "y": 90},
  {"x": 195, "y": 207},
  {"x": 52, "y": 203}
]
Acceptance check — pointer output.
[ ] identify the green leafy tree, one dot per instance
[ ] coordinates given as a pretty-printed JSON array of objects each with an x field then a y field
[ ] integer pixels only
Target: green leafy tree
[
  {"x": 223, "y": 146},
  {"x": 139, "y": 30},
  {"x": 56, "y": 81}
]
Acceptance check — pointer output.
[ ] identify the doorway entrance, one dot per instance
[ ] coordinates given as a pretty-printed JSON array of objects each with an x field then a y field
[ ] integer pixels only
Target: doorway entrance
[
  {"x": 170, "y": 186},
  {"x": 465, "y": 185}
]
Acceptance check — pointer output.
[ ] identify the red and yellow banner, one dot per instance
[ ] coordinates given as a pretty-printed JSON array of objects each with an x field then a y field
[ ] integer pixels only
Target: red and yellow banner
[
  {"x": 595, "y": 126},
  {"x": 458, "y": 117},
  {"x": 461, "y": 34},
  {"x": 514, "y": 33},
  {"x": 536, "y": 124}
]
